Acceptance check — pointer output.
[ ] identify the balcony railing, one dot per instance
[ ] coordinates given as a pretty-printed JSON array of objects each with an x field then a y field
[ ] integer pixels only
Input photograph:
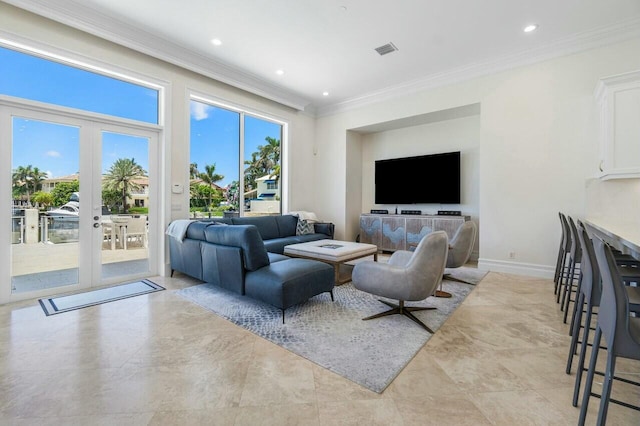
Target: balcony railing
[{"x": 17, "y": 229}]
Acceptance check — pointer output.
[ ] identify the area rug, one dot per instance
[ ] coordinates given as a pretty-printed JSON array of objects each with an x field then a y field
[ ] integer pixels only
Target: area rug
[
  {"x": 60, "y": 304},
  {"x": 333, "y": 334}
]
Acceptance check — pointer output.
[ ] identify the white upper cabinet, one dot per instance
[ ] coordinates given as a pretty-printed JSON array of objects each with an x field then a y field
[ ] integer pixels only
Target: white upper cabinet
[{"x": 618, "y": 101}]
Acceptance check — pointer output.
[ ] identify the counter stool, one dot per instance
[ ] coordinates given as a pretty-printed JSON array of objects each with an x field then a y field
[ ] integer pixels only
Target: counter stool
[
  {"x": 563, "y": 252},
  {"x": 575, "y": 257},
  {"x": 588, "y": 298},
  {"x": 621, "y": 332},
  {"x": 627, "y": 266}
]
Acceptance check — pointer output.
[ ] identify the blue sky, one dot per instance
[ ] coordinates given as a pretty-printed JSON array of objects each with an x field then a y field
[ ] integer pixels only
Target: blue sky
[
  {"x": 54, "y": 148},
  {"x": 38, "y": 79},
  {"x": 214, "y": 138}
]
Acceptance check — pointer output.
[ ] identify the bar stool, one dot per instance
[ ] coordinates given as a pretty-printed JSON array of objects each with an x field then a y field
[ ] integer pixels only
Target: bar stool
[
  {"x": 621, "y": 332},
  {"x": 589, "y": 297},
  {"x": 626, "y": 264},
  {"x": 575, "y": 257},
  {"x": 563, "y": 252}
]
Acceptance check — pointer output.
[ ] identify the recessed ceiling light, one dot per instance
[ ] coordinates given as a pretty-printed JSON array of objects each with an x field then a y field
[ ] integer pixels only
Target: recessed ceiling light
[
  {"x": 325, "y": 93},
  {"x": 531, "y": 27},
  {"x": 216, "y": 42},
  {"x": 280, "y": 72}
]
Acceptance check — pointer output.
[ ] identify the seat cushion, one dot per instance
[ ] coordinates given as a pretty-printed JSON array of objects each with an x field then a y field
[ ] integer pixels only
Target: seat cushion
[
  {"x": 276, "y": 245},
  {"x": 289, "y": 282},
  {"x": 275, "y": 257}
]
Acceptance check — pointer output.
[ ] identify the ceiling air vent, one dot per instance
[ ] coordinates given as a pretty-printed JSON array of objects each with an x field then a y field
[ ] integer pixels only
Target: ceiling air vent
[{"x": 387, "y": 48}]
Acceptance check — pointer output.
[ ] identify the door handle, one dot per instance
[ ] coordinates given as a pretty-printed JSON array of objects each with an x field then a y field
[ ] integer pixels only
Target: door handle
[{"x": 96, "y": 225}]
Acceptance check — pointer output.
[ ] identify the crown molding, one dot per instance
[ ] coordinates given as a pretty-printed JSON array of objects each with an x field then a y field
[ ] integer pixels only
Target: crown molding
[
  {"x": 584, "y": 41},
  {"x": 79, "y": 16}
]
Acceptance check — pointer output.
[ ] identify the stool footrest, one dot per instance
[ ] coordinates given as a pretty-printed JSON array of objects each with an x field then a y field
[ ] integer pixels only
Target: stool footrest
[{"x": 615, "y": 401}]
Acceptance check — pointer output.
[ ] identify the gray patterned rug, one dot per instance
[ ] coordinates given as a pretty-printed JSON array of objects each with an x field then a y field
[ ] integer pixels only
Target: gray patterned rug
[{"x": 333, "y": 335}]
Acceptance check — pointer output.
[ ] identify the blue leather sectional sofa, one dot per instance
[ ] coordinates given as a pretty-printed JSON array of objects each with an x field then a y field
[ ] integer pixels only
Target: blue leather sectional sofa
[{"x": 244, "y": 255}]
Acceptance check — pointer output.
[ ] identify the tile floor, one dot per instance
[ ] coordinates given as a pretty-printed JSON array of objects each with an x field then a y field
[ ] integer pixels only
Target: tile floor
[{"x": 160, "y": 360}]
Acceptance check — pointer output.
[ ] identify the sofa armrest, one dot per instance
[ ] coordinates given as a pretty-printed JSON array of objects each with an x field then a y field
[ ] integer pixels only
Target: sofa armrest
[
  {"x": 223, "y": 266},
  {"x": 185, "y": 257},
  {"x": 326, "y": 228}
]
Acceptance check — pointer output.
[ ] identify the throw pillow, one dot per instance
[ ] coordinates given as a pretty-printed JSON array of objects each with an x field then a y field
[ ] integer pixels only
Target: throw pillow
[{"x": 303, "y": 227}]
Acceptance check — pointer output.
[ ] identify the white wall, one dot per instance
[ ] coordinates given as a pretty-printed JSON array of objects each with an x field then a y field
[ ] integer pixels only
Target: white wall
[
  {"x": 537, "y": 144},
  {"x": 462, "y": 134},
  {"x": 353, "y": 199},
  {"x": 615, "y": 202}
]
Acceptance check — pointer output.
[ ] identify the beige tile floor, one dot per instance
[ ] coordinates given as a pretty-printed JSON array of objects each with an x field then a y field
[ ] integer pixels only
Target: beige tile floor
[{"x": 160, "y": 360}]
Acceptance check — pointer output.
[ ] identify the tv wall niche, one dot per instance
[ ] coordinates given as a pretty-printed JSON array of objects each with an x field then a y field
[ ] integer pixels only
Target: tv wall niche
[{"x": 461, "y": 134}]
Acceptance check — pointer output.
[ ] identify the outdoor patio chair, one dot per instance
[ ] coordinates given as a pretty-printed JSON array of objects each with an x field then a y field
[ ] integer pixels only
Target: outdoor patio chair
[{"x": 135, "y": 231}]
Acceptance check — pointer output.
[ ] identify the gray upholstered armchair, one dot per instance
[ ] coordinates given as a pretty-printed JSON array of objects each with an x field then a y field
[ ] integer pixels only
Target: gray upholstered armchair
[
  {"x": 461, "y": 247},
  {"x": 408, "y": 276}
]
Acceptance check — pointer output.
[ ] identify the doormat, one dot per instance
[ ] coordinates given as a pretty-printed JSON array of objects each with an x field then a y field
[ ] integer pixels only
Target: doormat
[{"x": 60, "y": 304}]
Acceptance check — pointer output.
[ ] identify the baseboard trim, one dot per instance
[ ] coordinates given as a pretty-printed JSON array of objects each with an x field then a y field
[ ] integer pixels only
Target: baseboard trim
[{"x": 517, "y": 268}]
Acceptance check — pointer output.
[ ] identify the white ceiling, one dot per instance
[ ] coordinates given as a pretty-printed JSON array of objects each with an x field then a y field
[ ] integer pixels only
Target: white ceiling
[{"x": 328, "y": 45}]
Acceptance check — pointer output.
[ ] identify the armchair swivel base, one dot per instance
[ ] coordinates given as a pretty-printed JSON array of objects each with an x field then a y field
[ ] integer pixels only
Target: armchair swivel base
[
  {"x": 441, "y": 293},
  {"x": 407, "y": 276},
  {"x": 402, "y": 310},
  {"x": 450, "y": 277}
]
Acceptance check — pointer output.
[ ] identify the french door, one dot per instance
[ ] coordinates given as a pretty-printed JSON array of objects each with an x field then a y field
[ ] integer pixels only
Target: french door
[{"x": 82, "y": 190}]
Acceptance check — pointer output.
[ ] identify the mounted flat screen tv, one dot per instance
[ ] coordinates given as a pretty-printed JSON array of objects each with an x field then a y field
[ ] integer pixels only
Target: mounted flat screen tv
[{"x": 418, "y": 180}]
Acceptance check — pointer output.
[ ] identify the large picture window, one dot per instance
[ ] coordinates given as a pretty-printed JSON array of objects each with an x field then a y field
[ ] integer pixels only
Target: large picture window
[
  {"x": 224, "y": 183},
  {"x": 39, "y": 79}
]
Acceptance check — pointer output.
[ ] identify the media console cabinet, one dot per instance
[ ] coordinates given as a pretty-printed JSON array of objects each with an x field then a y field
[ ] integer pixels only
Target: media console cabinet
[{"x": 391, "y": 232}]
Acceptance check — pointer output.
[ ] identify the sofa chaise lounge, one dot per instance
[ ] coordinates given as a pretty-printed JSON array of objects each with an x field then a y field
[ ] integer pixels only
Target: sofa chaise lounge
[{"x": 231, "y": 253}]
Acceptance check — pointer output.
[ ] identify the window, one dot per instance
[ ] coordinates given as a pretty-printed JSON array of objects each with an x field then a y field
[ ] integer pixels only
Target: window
[
  {"x": 31, "y": 77},
  {"x": 218, "y": 135}
]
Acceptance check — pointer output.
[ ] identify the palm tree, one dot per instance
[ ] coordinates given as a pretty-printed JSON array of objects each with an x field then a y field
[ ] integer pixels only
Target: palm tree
[
  {"x": 19, "y": 179},
  {"x": 27, "y": 180},
  {"x": 252, "y": 172},
  {"x": 268, "y": 155},
  {"x": 210, "y": 177},
  {"x": 120, "y": 177},
  {"x": 264, "y": 162},
  {"x": 193, "y": 171},
  {"x": 35, "y": 179}
]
